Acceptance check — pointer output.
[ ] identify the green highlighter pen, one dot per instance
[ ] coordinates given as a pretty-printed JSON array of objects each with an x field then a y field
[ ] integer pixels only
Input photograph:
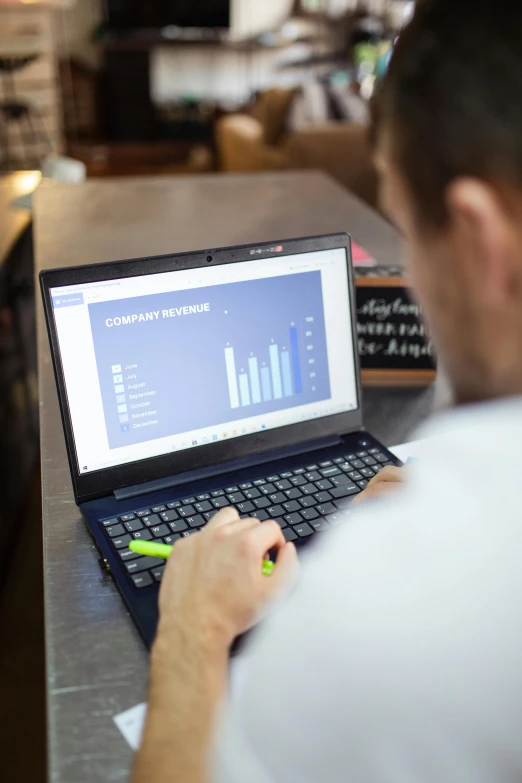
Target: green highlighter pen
[{"x": 151, "y": 549}]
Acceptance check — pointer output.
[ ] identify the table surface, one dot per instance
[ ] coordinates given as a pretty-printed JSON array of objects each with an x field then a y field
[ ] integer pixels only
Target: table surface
[
  {"x": 96, "y": 662},
  {"x": 14, "y": 220}
]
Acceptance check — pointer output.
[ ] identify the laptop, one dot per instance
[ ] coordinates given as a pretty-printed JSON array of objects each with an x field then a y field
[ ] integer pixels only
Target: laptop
[{"x": 195, "y": 381}]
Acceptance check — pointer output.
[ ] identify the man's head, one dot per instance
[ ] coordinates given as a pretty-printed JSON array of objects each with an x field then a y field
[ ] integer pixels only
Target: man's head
[{"x": 448, "y": 136}]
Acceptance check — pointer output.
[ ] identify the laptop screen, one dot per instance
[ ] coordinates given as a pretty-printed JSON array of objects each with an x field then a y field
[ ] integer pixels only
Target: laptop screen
[{"x": 166, "y": 362}]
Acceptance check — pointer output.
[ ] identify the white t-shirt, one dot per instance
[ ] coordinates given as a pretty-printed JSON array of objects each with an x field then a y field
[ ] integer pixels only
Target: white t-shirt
[{"x": 398, "y": 658}]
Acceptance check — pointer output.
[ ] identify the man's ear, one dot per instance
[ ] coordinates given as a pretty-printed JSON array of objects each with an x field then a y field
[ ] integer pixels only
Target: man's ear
[{"x": 485, "y": 232}]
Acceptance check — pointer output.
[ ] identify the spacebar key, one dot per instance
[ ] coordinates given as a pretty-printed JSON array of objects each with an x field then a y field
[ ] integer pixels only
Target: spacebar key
[{"x": 143, "y": 564}]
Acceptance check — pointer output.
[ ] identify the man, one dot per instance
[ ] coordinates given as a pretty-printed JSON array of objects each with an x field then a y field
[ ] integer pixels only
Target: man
[{"x": 398, "y": 657}]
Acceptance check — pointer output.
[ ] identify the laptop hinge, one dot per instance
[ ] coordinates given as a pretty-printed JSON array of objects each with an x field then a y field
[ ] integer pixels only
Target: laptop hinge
[{"x": 225, "y": 467}]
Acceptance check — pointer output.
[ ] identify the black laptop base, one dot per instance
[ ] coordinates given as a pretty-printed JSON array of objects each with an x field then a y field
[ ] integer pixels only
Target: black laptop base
[{"x": 307, "y": 494}]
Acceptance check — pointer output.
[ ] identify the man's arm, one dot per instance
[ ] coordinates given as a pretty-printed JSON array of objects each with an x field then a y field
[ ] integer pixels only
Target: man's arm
[{"x": 212, "y": 591}]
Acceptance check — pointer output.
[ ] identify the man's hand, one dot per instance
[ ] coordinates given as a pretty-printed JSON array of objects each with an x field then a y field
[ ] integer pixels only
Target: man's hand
[
  {"x": 388, "y": 480},
  {"x": 213, "y": 583}
]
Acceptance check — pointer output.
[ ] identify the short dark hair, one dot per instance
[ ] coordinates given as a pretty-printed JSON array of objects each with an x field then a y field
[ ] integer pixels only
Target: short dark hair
[{"x": 452, "y": 99}]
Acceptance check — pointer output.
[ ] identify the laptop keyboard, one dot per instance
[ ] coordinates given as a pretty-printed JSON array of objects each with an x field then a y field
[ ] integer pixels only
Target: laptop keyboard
[{"x": 304, "y": 501}]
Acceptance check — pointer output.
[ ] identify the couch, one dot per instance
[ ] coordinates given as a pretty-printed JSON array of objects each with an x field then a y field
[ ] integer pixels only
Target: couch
[{"x": 261, "y": 141}]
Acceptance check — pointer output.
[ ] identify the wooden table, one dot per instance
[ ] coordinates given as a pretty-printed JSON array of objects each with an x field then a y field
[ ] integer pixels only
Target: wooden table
[
  {"x": 14, "y": 220},
  {"x": 96, "y": 663}
]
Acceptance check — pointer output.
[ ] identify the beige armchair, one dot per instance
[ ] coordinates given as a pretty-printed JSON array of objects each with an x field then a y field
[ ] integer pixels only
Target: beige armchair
[{"x": 260, "y": 142}]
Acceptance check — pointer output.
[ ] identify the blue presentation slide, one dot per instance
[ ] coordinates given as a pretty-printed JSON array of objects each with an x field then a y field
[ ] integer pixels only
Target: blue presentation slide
[{"x": 177, "y": 362}]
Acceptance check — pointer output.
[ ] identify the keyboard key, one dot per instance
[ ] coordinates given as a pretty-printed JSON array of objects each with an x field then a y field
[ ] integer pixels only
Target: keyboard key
[
  {"x": 197, "y": 521},
  {"x": 117, "y": 530},
  {"x": 170, "y": 540},
  {"x": 247, "y": 485},
  {"x": 188, "y": 501},
  {"x": 158, "y": 509},
  {"x": 154, "y": 519},
  {"x": 159, "y": 531},
  {"x": 357, "y": 464},
  {"x": 205, "y": 496},
  {"x": 174, "y": 504},
  {"x": 381, "y": 458},
  {"x": 142, "y": 580},
  {"x": 169, "y": 516},
  {"x": 127, "y": 517},
  {"x": 309, "y": 514},
  {"x": 217, "y": 493},
  {"x": 307, "y": 502},
  {"x": 326, "y": 508},
  {"x": 187, "y": 533},
  {"x": 373, "y": 451},
  {"x": 386, "y": 464},
  {"x": 361, "y": 454},
  {"x": 143, "y": 564},
  {"x": 298, "y": 481},
  {"x": 267, "y": 489},
  {"x": 323, "y": 497},
  {"x": 220, "y": 502},
  {"x": 128, "y": 554},
  {"x": 246, "y": 507},
  {"x": 273, "y": 478},
  {"x": 327, "y": 472},
  {"x": 231, "y": 489},
  {"x": 110, "y": 522},
  {"x": 283, "y": 484},
  {"x": 320, "y": 525},
  {"x": 280, "y": 521},
  {"x": 261, "y": 515},
  {"x": 312, "y": 467},
  {"x": 326, "y": 464},
  {"x": 262, "y": 503},
  {"x": 294, "y": 493},
  {"x": 338, "y": 460},
  {"x": 121, "y": 541},
  {"x": 303, "y": 530},
  {"x": 236, "y": 497},
  {"x": 309, "y": 489},
  {"x": 178, "y": 526},
  {"x": 369, "y": 461},
  {"x": 143, "y": 513},
  {"x": 298, "y": 471},
  {"x": 324, "y": 485},
  {"x": 345, "y": 492},
  {"x": 187, "y": 511},
  {"x": 313, "y": 476},
  {"x": 346, "y": 467},
  {"x": 203, "y": 506},
  {"x": 258, "y": 482},
  {"x": 289, "y": 534},
  {"x": 293, "y": 519},
  {"x": 335, "y": 520},
  {"x": 278, "y": 497},
  {"x": 286, "y": 475},
  {"x": 349, "y": 457},
  {"x": 136, "y": 524},
  {"x": 157, "y": 573},
  {"x": 142, "y": 535},
  {"x": 209, "y": 514},
  {"x": 362, "y": 484},
  {"x": 275, "y": 511},
  {"x": 252, "y": 494},
  {"x": 368, "y": 473},
  {"x": 355, "y": 475},
  {"x": 291, "y": 506}
]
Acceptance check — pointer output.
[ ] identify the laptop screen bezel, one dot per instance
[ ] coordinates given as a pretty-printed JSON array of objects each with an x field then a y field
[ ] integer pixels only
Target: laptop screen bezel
[{"x": 88, "y": 486}]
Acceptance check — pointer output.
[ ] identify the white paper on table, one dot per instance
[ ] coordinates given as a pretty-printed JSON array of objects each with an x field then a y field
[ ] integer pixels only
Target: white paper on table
[{"x": 132, "y": 721}]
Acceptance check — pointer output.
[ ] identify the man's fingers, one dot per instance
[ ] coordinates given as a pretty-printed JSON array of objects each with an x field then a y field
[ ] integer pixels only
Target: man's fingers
[
  {"x": 224, "y": 517},
  {"x": 389, "y": 473},
  {"x": 266, "y": 536}
]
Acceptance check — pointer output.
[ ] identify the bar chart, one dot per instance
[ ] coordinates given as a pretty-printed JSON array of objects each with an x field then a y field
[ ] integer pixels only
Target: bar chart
[{"x": 274, "y": 375}]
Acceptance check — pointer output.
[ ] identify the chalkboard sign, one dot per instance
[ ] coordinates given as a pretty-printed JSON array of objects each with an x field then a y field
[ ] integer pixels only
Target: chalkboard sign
[{"x": 395, "y": 347}]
